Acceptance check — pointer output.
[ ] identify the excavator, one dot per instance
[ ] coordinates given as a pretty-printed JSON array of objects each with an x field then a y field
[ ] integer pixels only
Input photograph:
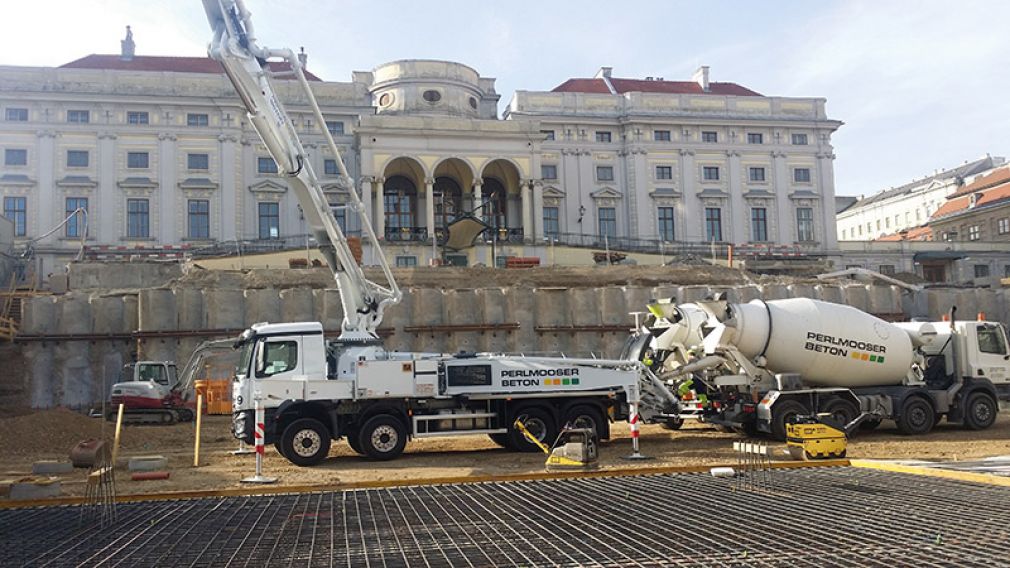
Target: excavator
[{"x": 156, "y": 394}]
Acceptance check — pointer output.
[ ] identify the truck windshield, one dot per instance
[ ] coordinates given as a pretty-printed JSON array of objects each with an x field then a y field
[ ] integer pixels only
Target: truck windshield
[{"x": 245, "y": 359}]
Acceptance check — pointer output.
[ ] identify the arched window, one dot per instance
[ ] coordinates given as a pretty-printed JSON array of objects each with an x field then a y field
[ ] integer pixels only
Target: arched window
[
  {"x": 448, "y": 200},
  {"x": 399, "y": 195},
  {"x": 493, "y": 190}
]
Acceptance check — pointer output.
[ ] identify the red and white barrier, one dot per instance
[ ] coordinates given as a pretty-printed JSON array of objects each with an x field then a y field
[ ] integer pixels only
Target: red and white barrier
[
  {"x": 633, "y": 422},
  {"x": 259, "y": 439}
]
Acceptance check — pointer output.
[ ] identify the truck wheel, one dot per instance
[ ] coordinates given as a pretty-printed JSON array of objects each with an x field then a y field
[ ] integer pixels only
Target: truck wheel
[
  {"x": 785, "y": 413},
  {"x": 842, "y": 411},
  {"x": 539, "y": 422},
  {"x": 501, "y": 439},
  {"x": 280, "y": 448},
  {"x": 354, "y": 442},
  {"x": 382, "y": 437},
  {"x": 305, "y": 441},
  {"x": 979, "y": 411},
  {"x": 585, "y": 417},
  {"x": 917, "y": 416},
  {"x": 672, "y": 423}
]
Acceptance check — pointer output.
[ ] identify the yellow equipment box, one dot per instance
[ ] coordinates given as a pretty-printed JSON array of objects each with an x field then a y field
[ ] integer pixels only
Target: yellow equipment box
[{"x": 815, "y": 440}]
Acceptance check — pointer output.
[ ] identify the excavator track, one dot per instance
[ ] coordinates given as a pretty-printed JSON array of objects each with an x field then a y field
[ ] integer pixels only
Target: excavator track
[{"x": 153, "y": 416}]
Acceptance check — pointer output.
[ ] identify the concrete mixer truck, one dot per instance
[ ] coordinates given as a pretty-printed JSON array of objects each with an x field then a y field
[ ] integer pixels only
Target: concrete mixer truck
[{"x": 756, "y": 366}]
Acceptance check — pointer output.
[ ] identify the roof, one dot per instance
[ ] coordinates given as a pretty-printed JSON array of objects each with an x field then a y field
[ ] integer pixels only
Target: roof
[
  {"x": 1002, "y": 175},
  {"x": 157, "y": 63},
  {"x": 986, "y": 198},
  {"x": 914, "y": 234},
  {"x": 962, "y": 171},
  {"x": 649, "y": 86}
]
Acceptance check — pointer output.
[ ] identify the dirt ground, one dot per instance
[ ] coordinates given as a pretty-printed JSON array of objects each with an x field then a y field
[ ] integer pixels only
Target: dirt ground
[{"x": 51, "y": 434}]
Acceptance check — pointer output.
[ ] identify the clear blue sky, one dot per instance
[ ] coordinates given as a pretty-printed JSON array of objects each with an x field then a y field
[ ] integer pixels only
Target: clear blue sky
[{"x": 920, "y": 85}]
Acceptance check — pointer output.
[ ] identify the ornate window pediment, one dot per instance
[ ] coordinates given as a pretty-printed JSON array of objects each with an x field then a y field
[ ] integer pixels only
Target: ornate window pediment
[
  {"x": 606, "y": 197},
  {"x": 197, "y": 183},
  {"x": 712, "y": 193},
  {"x": 138, "y": 182},
  {"x": 268, "y": 186},
  {"x": 77, "y": 181},
  {"x": 803, "y": 194},
  {"x": 553, "y": 196},
  {"x": 16, "y": 180},
  {"x": 759, "y": 194}
]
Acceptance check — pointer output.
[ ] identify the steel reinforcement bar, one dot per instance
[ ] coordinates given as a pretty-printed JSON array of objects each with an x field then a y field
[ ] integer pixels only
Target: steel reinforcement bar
[{"x": 805, "y": 517}]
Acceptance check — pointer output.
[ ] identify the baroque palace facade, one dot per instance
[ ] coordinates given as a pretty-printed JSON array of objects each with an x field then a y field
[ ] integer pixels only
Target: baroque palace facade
[{"x": 158, "y": 151}]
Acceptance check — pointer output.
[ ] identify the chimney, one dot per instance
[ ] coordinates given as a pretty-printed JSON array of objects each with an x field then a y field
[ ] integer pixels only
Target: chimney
[
  {"x": 126, "y": 46},
  {"x": 701, "y": 77},
  {"x": 604, "y": 72},
  {"x": 303, "y": 57}
]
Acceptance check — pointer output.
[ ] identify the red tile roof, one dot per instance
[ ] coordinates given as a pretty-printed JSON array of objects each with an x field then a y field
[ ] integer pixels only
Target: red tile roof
[
  {"x": 914, "y": 234},
  {"x": 963, "y": 203},
  {"x": 639, "y": 85},
  {"x": 1002, "y": 175},
  {"x": 161, "y": 63}
]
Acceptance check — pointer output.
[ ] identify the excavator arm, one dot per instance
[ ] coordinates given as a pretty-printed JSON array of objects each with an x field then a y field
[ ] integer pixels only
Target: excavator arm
[{"x": 246, "y": 65}]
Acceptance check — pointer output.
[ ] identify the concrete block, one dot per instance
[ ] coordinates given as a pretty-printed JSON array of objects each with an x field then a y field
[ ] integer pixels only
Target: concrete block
[
  {"x": 147, "y": 463},
  {"x": 34, "y": 490},
  {"x": 52, "y": 466}
]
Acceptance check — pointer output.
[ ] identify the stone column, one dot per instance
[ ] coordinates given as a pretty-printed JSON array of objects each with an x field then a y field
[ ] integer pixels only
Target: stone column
[
  {"x": 694, "y": 216},
  {"x": 538, "y": 210},
  {"x": 526, "y": 189},
  {"x": 429, "y": 209},
  {"x": 227, "y": 201},
  {"x": 477, "y": 199},
  {"x": 828, "y": 234},
  {"x": 737, "y": 215},
  {"x": 105, "y": 231},
  {"x": 366, "y": 202},
  {"x": 783, "y": 208},
  {"x": 380, "y": 208},
  {"x": 167, "y": 189},
  {"x": 49, "y": 208}
]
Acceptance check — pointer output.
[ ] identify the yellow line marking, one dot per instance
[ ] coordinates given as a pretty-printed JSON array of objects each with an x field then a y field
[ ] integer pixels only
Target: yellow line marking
[
  {"x": 970, "y": 476},
  {"x": 382, "y": 484}
]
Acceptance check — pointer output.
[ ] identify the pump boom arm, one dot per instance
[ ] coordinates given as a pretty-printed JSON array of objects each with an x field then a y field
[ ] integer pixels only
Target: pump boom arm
[{"x": 245, "y": 63}]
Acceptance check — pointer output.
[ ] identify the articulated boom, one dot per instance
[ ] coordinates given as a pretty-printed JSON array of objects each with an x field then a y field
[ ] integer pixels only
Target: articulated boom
[{"x": 245, "y": 63}]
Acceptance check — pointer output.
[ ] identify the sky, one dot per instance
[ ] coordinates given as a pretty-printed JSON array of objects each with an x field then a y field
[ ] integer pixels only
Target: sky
[{"x": 920, "y": 85}]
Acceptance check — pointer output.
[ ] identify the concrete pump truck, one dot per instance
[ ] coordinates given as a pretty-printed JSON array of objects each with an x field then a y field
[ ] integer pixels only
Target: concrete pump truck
[{"x": 316, "y": 390}]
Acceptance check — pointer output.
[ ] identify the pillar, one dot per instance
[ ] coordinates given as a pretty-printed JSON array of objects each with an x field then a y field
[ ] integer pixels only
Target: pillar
[
  {"x": 379, "y": 210},
  {"x": 167, "y": 190},
  {"x": 366, "y": 202},
  {"x": 107, "y": 190},
  {"x": 694, "y": 216},
  {"x": 737, "y": 212},
  {"x": 477, "y": 199},
  {"x": 429, "y": 202},
  {"x": 783, "y": 208},
  {"x": 526, "y": 189},
  {"x": 227, "y": 201},
  {"x": 538, "y": 210}
]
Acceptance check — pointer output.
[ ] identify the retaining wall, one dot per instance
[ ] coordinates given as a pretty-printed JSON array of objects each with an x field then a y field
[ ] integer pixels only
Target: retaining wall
[{"x": 167, "y": 324}]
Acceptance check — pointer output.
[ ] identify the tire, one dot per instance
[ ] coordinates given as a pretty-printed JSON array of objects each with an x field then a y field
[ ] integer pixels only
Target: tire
[
  {"x": 917, "y": 416},
  {"x": 583, "y": 416},
  {"x": 185, "y": 415},
  {"x": 539, "y": 422},
  {"x": 672, "y": 424},
  {"x": 784, "y": 413},
  {"x": 501, "y": 439},
  {"x": 354, "y": 442},
  {"x": 842, "y": 411},
  {"x": 280, "y": 448},
  {"x": 305, "y": 442},
  {"x": 382, "y": 437},
  {"x": 870, "y": 424},
  {"x": 980, "y": 411}
]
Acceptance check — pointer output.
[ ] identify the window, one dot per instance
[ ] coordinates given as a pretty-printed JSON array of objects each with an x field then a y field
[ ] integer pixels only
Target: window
[
  {"x": 665, "y": 224},
  {"x": 799, "y": 139},
  {"x": 406, "y": 261},
  {"x": 661, "y": 135},
  {"x": 198, "y": 161},
  {"x": 431, "y": 95},
  {"x": 79, "y": 116},
  {"x": 137, "y": 117},
  {"x": 278, "y": 357},
  {"x": 664, "y": 172},
  {"x": 549, "y": 171},
  {"x": 552, "y": 225},
  {"x": 710, "y": 173},
  {"x": 990, "y": 340},
  {"x": 709, "y": 136},
  {"x": 608, "y": 221},
  {"x": 804, "y": 224},
  {"x": 17, "y": 114},
  {"x": 270, "y": 220},
  {"x": 604, "y": 173},
  {"x": 756, "y": 174},
  {"x": 335, "y": 127},
  {"x": 1003, "y": 226},
  {"x": 755, "y": 138},
  {"x": 981, "y": 271},
  {"x": 330, "y": 167},
  {"x": 801, "y": 175},
  {"x": 549, "y": 134},
  {"x": 138, "y": 218},
  {"x": 197, "y": 119},
  {"x": 759, "y": 224},
  {"x": 198, "y": 220},
  {"x": 138, "y": 160},
  {"x": 886, "y": 269},
  {"x": 1006, "y": 271},
  {"x": 713, "y": 224},
  {"x": 15, "y": 209},
  {"x": 474, "y": 376},
  {"x": 77, "y": 158},
  {"x": 974, "y": 233},
  {"x": 887, "y": 222},
  {"x": 266, "y": 166},
  {"x": 844, "y": 231},
  {"x": 15, "y": 157},
  {"x": 602, "y": 136},
  {"x": 76, "y": 226},
  {"x": 340, "y": 214}
]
